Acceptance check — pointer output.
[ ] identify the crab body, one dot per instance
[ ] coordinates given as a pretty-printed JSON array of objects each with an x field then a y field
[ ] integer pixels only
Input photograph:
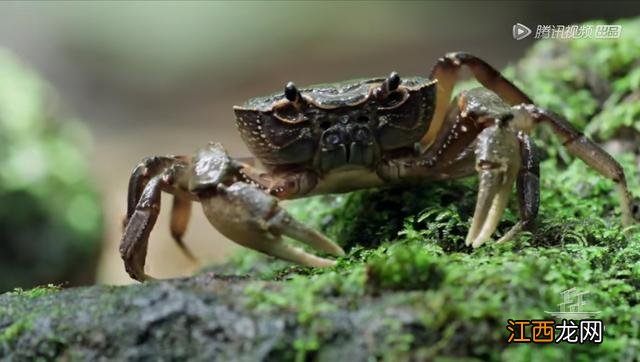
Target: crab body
[
  {"x": 352, "y": 135},
  {"x": 332, "y": 126}
]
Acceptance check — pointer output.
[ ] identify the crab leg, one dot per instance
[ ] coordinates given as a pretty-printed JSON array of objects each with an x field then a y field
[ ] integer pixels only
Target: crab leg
[
  {"x": 497, "y": 166},
  {"x": 250, "y": 217},
  {"x": 180, "y": 215},
  {"x": 527, "y": 187},
  {"x": 152, "y": 176},
  {"x": 148, "y": 168},
  {"x": 446, "y": 71},
  {"x": 135, "y": 240},
  {"x": 580, "y": 146}
]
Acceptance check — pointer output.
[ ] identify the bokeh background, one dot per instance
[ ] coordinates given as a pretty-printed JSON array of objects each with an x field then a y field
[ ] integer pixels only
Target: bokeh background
[{"x": 134, "y": 79}]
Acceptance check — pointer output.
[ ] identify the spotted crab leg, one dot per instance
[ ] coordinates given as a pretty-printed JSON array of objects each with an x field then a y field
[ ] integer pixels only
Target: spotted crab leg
[{"x": 446, "y": 71}]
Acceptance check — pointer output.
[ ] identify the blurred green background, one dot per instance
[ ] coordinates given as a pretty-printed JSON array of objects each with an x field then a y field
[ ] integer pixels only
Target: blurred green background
[{"x": 149, "y": 78}]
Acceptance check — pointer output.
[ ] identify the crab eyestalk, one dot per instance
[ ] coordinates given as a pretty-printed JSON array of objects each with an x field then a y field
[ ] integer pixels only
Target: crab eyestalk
[
  {"x": 388, "y": 86},
  {"x": 293, "y": 95}
]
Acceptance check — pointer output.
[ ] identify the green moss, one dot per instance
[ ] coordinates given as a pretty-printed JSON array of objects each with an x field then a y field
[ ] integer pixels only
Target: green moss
[
  {"x": 12, "y": 332},
  {"x": 37, "y": 291},
  {"x": 406, "y": 267},
  {"x": 467, "y": 295},
  {"x": 577, "y": 244},
  {"x": 23, "y": 322}
]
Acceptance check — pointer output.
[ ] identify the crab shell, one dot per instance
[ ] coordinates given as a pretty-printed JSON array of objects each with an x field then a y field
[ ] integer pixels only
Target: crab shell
[{"x": 331, "y": 126}]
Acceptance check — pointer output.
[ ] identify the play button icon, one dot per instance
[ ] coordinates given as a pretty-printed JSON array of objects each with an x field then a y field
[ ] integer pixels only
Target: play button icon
[{"x": 520, "y": 31}]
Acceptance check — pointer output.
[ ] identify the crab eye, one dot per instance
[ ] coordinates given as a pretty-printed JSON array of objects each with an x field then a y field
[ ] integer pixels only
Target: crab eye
[
  {"x": 292, "y": 93},
  {"x": 389, "y": 94},
  {"x": 392, "y": 81}
]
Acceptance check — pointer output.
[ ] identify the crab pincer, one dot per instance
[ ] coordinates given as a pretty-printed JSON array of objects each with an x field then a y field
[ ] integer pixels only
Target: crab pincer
[
  {"x": 252, "y": 218},
  {"x": 497, "y": 166}
]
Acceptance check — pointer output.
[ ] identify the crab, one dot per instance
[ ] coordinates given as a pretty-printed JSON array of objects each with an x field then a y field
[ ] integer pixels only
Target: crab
[{"x": 352, "y": 135}]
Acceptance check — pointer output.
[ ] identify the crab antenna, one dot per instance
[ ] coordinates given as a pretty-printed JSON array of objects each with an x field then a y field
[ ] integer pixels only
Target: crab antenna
[{"x": 291, "y": 92}]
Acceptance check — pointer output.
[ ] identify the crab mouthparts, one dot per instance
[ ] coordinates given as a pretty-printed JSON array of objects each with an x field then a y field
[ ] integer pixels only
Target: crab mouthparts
[{"x": 346, "y": 145}]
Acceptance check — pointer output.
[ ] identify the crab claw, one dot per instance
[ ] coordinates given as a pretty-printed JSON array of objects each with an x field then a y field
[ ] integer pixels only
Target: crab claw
[
  {"x": 495, "y": 188},
  {"x": 497, "y": 166},
  {"x": 252, "y": 218}
]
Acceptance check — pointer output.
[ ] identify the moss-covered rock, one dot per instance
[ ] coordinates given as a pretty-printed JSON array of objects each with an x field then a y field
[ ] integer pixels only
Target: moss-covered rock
[
  {"x": 408, "y": 289},
  {"x": 50, "y": 217}
]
